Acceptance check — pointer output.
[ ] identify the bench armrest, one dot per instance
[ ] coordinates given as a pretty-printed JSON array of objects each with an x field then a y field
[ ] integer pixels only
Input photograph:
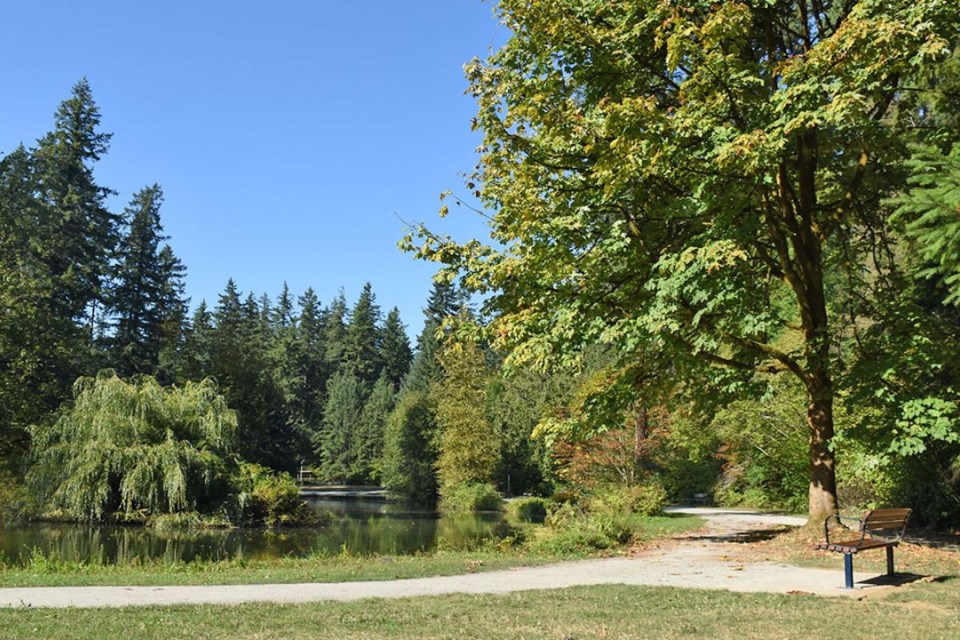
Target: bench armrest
[{"x": 839, "y": 519}]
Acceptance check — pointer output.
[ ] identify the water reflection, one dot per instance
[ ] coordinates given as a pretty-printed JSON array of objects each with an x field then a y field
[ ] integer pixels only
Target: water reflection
[{"x": 359, "y": 527}]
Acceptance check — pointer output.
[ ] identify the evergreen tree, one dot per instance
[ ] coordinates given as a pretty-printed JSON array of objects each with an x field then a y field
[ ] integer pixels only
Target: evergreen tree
[
  {"x": 395, "y": 351},
  {"x": 80, "y": 232},
  {"x": 362, "y": 349},
  {"x": 444, "y": 301},
  {"x": 283, "y": 357},
  {"x": 928, "y": 216},
  {"x": 40, "y": 347},
  {"x": 241, "y": 366},
  {"x": 172, "y": 309},
  {"x": 145, "y": 293},
  {"x": 368, "y": 442},
  {"x": 424, "y": 370},
  {"x": 410, "y": 448},
  {"x": 196, "y": 360},
  {"x": 307, "y": 373},
  {"x": 335, "y": 332},
  {"x": 341, "y": 418},
  {"x": 408, "y": 470},
  {"x": 283, "y": 312}
]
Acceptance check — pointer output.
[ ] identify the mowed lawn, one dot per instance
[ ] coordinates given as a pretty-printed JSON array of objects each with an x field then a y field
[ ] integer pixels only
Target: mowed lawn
[{"x": 922, "y": 610}]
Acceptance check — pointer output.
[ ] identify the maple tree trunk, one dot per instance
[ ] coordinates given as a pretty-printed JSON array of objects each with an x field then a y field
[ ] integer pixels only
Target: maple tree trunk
[
  {"x": 823, "y": 478},
  {"x": 816, "y": 334}
]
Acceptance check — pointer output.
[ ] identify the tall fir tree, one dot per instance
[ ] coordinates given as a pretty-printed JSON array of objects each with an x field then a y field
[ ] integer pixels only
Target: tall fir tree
[
  {"x": 362, "y": 346},
  {"x": 444, "y": 302},
  {"x": 80, "y": 231},
  {"x": 41, "y": 348},
  {"x": 341, "y": 418},
  {"x": 410, "y": 438},
  {"x": 195, "y": 361},
  {"x": 145, "y": 292},
  {"x": 172, "y": 309},
  {"x": 335, "y": 332},
  {"x": 368, "y": 442},
  {"x": 395, "y": 353},
  {"x": 307, "y": 373}
]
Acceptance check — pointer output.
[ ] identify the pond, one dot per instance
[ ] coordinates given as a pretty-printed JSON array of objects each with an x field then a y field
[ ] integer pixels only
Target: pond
[{"x": 359, "y": 527}]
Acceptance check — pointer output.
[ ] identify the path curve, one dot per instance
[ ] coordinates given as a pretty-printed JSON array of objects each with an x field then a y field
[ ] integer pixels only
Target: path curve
[{"x": 699, "y": 560}]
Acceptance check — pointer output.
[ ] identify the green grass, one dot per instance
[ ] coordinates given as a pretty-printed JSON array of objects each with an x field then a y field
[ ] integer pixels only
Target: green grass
[
  {"x": 43, "y": 571},
  {"x": 928, "y": 611}
]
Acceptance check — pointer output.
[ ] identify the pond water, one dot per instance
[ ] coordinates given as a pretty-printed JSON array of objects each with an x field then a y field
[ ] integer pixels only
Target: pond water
[{"x": 359, "y": 527}]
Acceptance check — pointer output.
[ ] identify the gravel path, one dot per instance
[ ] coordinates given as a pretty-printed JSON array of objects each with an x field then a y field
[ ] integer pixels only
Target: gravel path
[{"x": 701, "y": 560}]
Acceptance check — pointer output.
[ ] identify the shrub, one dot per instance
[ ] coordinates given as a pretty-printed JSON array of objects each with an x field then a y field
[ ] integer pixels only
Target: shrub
[
  {"x": 472, "y": 497},
  {"x": 647, "y": 500},
  {"x": 569, "y": 530},
  {"x": 269, "y": 498},
  {"x": 527, "y": 509}
]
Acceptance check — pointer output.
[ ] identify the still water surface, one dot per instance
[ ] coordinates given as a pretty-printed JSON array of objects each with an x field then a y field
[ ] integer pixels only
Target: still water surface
[{"x": 359, "y": 527}]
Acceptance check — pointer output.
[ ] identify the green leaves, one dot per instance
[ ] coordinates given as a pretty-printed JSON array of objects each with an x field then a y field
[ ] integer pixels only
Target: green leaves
[
  {"x": 925, "y": 420},
  {"x": 134, "y": 447},
  {"x": 929, "y": 216}
]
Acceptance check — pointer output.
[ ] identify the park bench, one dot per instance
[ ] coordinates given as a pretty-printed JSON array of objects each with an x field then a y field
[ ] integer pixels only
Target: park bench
[{"x": 879, "y": 528}]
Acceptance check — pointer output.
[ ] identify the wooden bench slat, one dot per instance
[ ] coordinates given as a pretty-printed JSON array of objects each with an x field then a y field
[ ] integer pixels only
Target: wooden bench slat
[
  {"x": 886, "y": 517},
  {"x": 853, "y": 546},
  {"x": 884, "y": 526},
  {"x": 899, "y": 511}
]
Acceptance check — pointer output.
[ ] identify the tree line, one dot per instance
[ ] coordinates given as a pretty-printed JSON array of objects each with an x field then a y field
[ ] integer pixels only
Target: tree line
[
  {"x": 83, "y": 289},
  {"x": 101, "y": 356}
]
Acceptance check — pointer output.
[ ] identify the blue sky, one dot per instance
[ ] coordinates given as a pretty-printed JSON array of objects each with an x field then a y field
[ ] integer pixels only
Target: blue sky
[{"x": 290, "y": 137}]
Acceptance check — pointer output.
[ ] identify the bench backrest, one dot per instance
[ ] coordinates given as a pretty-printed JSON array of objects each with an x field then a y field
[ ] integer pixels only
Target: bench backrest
[{"x": 886, "y": 522}]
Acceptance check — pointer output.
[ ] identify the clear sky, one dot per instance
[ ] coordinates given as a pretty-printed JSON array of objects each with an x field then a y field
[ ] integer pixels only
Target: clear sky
[{"x": 289, "y": 137}]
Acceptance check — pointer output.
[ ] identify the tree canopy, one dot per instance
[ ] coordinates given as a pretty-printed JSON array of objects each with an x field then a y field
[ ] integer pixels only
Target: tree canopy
[
  {"x": 134, "y": 446},
  {"x": 702, "y": 180}
]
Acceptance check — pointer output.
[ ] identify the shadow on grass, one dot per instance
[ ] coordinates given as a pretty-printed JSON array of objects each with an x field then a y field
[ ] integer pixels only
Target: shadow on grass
[{"x": 898, "y": 579}]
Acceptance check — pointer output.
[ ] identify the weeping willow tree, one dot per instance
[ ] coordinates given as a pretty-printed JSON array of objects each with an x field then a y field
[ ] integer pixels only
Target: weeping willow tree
[{"x": 134, "y": 447}]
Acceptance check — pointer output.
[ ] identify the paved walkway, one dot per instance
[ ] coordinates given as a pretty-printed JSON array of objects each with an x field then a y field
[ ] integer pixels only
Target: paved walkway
[{"x": 701, "y": 560}]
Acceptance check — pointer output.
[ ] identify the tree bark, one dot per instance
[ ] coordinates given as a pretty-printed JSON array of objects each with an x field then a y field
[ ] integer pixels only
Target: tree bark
[
  {"x": 823, "y": 479},
  {"x": 807, "y": 242}
]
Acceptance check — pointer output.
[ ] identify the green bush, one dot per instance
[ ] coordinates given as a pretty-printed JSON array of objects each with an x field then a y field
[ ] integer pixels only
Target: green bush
[
  {"x": 607, "y": 519},
  {"x": 646, "y": 500},
  {"x": 527, "y": 509},
  {"x": 569, "y": 530},
  {"x": 472, "y": 497},
  {"x": 269, "y": 498}
]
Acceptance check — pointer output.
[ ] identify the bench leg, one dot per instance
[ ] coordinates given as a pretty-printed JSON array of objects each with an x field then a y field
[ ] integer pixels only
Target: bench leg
[
  {"x": 848, "y": 570},
  {"x": 889, "y": 561}
]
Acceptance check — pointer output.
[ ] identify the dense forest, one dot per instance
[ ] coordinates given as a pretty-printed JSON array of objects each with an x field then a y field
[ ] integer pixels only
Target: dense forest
[{"x": 724, "y": 265}]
